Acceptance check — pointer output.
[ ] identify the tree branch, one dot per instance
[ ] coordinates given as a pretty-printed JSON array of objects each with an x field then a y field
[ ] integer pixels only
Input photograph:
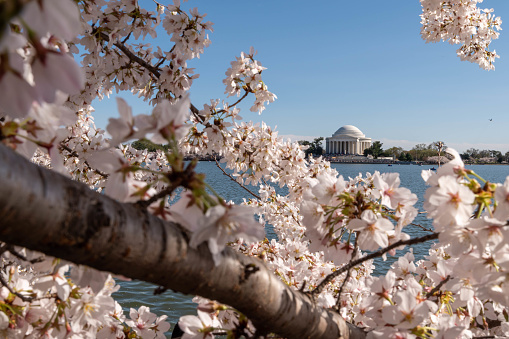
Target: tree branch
[
  {"x": 348, "y": 272},
  {"x": 76, "y": 155},
  {"x": 19, "y": 295},
  {"x": 133, "y": 57},
  {"x": 47, "y": 212},
  {"x": 231, "y": 178},
  {"x": 437, "y": 287},
  {"x": 151, "y": 68},
  {"x": 373, "y": 255}
]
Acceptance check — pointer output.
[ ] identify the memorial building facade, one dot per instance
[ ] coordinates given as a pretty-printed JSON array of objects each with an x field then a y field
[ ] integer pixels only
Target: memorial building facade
[{"x": 348, "y": 140}]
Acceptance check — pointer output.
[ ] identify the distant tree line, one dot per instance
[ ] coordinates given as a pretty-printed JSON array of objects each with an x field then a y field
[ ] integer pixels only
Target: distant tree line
[
  {"x": 145, "y": 144},
  {"x": 474, "y": 155},
  {"x": 420, "y": 152},
  {"x": 314, "y": 147}
]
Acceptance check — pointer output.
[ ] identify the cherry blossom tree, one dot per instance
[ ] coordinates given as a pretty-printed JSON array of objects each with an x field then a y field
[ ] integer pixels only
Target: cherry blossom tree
[{"x": 79, "y": 205}]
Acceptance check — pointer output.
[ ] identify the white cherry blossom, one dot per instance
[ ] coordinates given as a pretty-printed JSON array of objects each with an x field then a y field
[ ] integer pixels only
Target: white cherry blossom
[
  {"x": 449, "y": 203},
  {"x": 373, "y": 230}
]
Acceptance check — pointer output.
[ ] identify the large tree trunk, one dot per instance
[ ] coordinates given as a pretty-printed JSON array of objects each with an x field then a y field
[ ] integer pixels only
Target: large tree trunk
[{"x": 45, "y": 211}]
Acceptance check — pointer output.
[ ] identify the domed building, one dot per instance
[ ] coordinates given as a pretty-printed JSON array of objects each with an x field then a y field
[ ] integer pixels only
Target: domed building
[{"x": 347, "y": 140}]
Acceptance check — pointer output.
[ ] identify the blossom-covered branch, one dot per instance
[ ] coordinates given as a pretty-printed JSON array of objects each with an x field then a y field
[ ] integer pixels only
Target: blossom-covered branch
[{"x": 122, "y": 239}]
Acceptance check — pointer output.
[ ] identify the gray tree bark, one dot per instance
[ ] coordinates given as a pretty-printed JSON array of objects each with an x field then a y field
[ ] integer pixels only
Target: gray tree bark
[{"x": 47, "y": 212}]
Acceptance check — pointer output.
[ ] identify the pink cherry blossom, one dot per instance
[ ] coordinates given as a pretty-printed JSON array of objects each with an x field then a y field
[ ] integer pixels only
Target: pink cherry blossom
[
  {"x": 58, "y": 17},
  {"x": 122, "y": 128},
  {"x": 450, "y": 203},
  {"x": 56, "y": 282},
  {"x": 16, "y": 95},
  {"x": 373, "y": 230},
  {"x": 408, "y": 312},
  {"x": 387, "y": 188},
  {"x": 200, "y": 326},
  {"x": 56, "y": 71},
  {"x": 141, "y": 321}
]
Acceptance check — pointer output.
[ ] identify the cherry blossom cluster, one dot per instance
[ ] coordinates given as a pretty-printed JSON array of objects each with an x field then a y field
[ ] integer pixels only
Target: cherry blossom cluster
[
  {"x": 113, "y": 63},
  {"x": 334, "y": 209},
  {"x": 462, "y": 22},
  {"x": 432, "y": 297},
  {"x": 46, "y": 297},
  {"x": 215, "y": 319},
  {"x": 245, "y": 75}
]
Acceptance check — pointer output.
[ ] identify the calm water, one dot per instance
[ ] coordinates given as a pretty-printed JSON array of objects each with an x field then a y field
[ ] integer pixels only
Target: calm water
[{"x": 136, "y": 293}]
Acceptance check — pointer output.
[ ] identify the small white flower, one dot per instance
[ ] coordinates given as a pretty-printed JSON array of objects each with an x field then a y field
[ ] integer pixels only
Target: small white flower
[
  {"x": 407, "y": 313},
  {"x": 141, "y": 321},
  {"x": 200, "y": 326},
  {"x": 373, "y": 230},
  {"x": 451, "y": 203},
  {"x": 121, "y": 128}
]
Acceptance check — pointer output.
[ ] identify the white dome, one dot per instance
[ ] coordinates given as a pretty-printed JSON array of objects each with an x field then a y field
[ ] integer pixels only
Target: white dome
[{"x": 350, "y": 131}]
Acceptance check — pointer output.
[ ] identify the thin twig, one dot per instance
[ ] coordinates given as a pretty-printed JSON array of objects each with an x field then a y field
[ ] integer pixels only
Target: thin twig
[
  {"x": 304, "y": 283},
  {"x": 354, "y": 252},
  {"x": 151, "y": 68},
  {"x": 233, "y": 179},
  {"x": 246, "y": 93},
  {"x": 437, "y": 287},
  {"x": 284, "y": 204},
  {"x": 19, "y": 295},
  {"x": 156, "y": 72},
  {"x": 167, "y": 191},
  {"x": 11, "y": 249},
  {"x": 76, "y": 155},
  {"x": 241, "y": 98},
  {"x": 373, "y": 255},
  {"x": 422, "y": 227}
]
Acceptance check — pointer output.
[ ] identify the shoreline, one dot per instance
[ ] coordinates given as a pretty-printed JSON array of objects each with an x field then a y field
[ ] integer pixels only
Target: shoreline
[{"x": 357, "y": 160}]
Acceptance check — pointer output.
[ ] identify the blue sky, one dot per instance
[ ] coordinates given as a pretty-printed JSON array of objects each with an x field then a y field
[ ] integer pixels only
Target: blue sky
[{"x": 362, "y": 63}]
